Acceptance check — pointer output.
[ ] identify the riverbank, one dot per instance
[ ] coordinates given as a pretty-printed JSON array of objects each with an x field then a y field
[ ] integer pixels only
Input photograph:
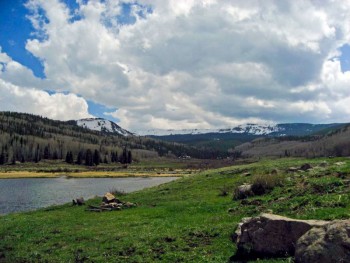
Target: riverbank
[
  {"x": 188, "y": 220},
  {"x": 92, "y": 174}
]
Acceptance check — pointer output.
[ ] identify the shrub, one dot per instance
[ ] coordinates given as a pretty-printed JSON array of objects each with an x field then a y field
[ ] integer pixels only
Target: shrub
[{"x": 262, "y": 184}]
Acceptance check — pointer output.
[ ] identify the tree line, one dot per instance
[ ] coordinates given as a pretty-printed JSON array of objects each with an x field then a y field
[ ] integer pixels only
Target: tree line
[
  {"x": 30, "y": 138},
  {"x": 94, "y": 158}
]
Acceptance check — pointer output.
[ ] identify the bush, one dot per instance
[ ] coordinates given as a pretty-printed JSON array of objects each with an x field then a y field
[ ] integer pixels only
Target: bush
[{"x": 262, "y": 184}]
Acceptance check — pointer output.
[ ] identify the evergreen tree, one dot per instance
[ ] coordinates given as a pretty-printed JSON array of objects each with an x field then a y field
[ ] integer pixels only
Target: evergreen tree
[
  {"x": 129, "y": 157},
  {"x": 80, "y": 158},
  {"x": 88, "y": 158},
  {"x": 2, "y": 158},
  {"x": 123, "y": 157},
  {"x": 37, "y": 154},
  {"x": 69, "y": 157},
  {"x": 96, "y": 158},
  {"x": 105, "y": 159},
  {"x": 47, "y": 153}
]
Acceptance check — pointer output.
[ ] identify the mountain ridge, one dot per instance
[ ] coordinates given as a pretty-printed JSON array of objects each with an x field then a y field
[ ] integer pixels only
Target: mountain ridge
[
  {"x": 281, "y": 129},
  {"x": 103, "y": 125}
]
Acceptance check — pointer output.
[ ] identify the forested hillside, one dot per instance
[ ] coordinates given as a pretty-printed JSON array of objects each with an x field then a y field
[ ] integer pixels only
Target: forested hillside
[
  {"x": 333, "y": 143},
  {"x": 31, "y": 138}
]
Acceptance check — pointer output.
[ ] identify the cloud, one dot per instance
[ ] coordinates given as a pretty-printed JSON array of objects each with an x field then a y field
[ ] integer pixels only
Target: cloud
[
  {"x": 194, "y": 64},
  {"x": 56, "y": 106}
]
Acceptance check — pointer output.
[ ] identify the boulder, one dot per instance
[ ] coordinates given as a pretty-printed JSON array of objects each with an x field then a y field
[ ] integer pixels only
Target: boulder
[
  {"x": 79, "y": 201},
  {"x": 305, "y": 167},
  {"x": 243, "y": 191},
  {"x": 270, "y": 235},
  {"x": 109, "y": 198},
  {"x": 326, "y": 244}
]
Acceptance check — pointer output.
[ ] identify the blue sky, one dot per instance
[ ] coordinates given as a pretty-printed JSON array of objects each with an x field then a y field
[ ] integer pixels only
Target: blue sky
[
  {"x": 16, "y": 29},
  {"x": 176, "y": 64}
]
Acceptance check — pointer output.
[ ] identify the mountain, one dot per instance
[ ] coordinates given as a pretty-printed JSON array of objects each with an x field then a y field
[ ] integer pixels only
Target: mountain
[
  {"x": 224, "y": 139},
  {"x": 291, "y": 129},
  {"x": 327, "y": 142},
  {"x": 102, "y": 125},
  {"x": 27, "y": 138}
]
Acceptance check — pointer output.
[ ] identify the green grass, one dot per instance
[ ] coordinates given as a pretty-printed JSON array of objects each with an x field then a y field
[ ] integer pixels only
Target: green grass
[{"x": 188, "y": 220}]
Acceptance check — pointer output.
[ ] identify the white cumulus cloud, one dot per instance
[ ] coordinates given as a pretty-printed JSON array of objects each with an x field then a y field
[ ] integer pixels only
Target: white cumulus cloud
[{"x": 194, "y": 64}]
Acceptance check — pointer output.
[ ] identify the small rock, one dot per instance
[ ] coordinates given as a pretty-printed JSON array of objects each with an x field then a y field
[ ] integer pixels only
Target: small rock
[
  {"x": 79, "y": 201},
  {"x": 323, "y": 164},
  {"x": 129, "y": 204},
  {"x": 243, "y": 191},
  {"x": 246, "y": 174},
  {"x": 339, "y": 163},
  {"x": 327, "y": 244},
  {"x": 293, "y": 169},
  {"x": 305, "y": 167},
  {"x": 256, "y": 202}
]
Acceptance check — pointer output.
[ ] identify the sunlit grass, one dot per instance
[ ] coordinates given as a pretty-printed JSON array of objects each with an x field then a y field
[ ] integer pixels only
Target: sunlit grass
[{"x": 187, "y": 220}]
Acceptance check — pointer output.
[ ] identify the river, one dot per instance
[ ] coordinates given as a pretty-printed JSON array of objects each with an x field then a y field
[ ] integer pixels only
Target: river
[{"x": 17, "y": 195}]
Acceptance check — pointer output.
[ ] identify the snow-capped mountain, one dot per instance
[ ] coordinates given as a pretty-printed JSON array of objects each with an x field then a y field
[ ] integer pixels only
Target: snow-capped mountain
[
  {"x": 253, "y": 129},
  {"x": 102, "y": 125},
  {"x": 293, "y": 129}
]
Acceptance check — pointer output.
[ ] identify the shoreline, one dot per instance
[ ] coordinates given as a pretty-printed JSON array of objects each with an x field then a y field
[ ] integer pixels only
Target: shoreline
[{"x": 87, "y": 174}]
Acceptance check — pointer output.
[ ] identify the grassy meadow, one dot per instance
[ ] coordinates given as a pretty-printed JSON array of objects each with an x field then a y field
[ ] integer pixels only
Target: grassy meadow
[{"x": 188, "y": 220}]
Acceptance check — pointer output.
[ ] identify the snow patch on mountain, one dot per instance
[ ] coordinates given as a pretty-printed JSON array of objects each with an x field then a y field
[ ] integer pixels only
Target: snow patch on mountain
[
  {"x": 102, "y": 125},
  {"x": 253, "y": 129}
]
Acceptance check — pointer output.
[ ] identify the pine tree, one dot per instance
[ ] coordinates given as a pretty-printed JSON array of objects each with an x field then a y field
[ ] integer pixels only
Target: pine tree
[
  {"x": 124, "y": 157},
  {"x": 129, "y": 157},
  {"x": 96, "y": 159},
  {"x": 2, "y": 158},
  {"x": 80, "y": 158},
  {"x": 69, "y": 157},
  {"x": 88, "y": 158}
]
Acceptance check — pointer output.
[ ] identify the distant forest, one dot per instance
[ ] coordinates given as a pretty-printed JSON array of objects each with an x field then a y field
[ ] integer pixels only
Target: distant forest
[{"x": 30, "y": 138}]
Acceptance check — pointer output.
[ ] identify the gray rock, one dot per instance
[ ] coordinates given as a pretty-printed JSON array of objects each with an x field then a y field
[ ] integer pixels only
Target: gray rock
[
  {"x": 305, "y": 167},
  {"x": 323, "y": 164},
  {"x": 270, "y": 235},
  {"x": 243, "y": 191},
  {"x": 293, "y": 169},
  {"x": 326, "y": 244},
  {"x": 79, "y": 201}
]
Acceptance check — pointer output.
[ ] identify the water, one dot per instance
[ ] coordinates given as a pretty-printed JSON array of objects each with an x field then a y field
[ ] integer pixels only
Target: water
[{"x": 17, "y": 195}]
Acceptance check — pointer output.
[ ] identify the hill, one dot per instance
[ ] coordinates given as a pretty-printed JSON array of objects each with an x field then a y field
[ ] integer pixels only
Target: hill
[
  {"x": 30, "y": 138},
  {"x": 329, "y": 142}
]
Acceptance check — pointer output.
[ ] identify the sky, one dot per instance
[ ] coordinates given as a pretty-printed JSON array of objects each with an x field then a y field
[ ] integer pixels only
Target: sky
[{"x": 177, "y": 64}]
